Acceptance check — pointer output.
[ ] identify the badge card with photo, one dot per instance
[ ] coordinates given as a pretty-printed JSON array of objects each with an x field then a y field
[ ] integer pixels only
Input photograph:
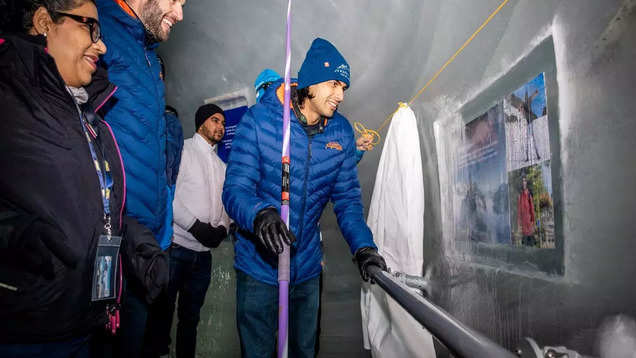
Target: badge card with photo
[{"x": 106, "y": 266}]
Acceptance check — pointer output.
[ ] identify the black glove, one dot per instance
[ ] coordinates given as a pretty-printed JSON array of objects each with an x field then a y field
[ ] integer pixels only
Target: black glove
[
  {"x": 36, "y": 246},
  {"x": 272, "y": 231},
  {"x": 366, "y": 256},
  {"x": 145, "y": 264},
  {"x": 208, "y": 235},
  {"x": 157, "y": 276}
]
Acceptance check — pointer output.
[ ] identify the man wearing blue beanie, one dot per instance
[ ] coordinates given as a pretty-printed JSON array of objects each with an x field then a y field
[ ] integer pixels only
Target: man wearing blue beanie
[{"x": 323, "y": 169}]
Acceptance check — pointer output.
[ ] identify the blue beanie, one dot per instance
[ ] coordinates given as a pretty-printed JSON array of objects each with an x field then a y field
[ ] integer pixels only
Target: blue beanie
[
  {"x": 322, "y": 63},
  {"x": 266, "y": 77}
]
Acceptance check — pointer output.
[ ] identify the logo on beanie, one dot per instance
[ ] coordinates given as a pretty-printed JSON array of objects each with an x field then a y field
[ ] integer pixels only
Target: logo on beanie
[{"x": 343, "y": 70}]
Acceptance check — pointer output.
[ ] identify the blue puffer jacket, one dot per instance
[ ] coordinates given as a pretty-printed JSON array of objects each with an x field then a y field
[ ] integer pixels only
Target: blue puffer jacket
[
  {"x": 323, "y": 168},
  {"x": 174, "y": 147},
  {"x": 137, "y": 117}
]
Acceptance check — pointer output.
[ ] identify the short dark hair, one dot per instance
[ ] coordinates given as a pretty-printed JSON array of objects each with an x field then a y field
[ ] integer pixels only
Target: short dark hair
[
  {"x": 17, "y": 15},
  {"x": 300, "y": 95}
]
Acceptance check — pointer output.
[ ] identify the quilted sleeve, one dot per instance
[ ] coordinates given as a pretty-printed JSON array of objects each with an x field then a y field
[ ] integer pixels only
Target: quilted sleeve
[
  {"x": 240, "y": 196},
  {"x": 348, "y": 203}
]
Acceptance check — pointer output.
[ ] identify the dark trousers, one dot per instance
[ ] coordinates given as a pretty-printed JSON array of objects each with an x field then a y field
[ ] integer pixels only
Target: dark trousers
[
  {"x": 72, "y": 348},
  {"x": 190, "y": 273},
  {"x": 257, "y": 317},
  {"x": 318, "y": 330},
  {"x": 134, "y": 313}
]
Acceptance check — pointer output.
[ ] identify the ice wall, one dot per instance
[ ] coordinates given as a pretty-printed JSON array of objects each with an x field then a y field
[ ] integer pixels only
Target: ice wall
[{"x": 508, "y": 299}]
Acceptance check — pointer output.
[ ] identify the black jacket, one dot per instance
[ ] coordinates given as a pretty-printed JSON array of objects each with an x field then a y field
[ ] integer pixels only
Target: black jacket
[{"x": 47, "y": 174}]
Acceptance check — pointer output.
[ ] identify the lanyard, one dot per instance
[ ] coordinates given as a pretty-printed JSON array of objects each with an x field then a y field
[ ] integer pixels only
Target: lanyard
[{"x": 103, "y": 170}]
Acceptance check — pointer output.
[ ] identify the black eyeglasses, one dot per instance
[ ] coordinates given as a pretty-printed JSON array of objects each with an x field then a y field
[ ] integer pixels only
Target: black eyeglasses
[{"x": 93, "y": 24}]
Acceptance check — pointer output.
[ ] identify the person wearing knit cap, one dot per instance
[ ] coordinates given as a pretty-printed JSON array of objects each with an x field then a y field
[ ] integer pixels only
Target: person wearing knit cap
[
  {"x": 268, "y": 76},
  {"x": 205, "y": 112},
  {"x": 200, "y": 223},
  {"x": 322, "y": 169}
]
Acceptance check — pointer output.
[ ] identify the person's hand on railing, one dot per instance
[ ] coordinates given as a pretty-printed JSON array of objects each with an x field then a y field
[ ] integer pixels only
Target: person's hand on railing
[{"x": 367, "y": 256}]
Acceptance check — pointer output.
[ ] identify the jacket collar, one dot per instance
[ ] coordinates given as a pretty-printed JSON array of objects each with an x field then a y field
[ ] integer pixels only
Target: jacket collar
[
  {"x": 100, "y": 90},
  {"x": 275, "y": 96},
  {"x": 123, "y": 14},
  {"x": 202, "y": 145},
  {"x": 30, "y": 54}
]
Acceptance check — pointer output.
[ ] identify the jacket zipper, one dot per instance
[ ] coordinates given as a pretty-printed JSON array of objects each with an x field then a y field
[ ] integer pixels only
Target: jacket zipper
[
  {"x": 146, "y": 55},
  {"x": 304, "y": 204}
]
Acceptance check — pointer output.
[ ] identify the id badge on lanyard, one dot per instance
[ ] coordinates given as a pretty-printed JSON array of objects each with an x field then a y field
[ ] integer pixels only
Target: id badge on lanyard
[
  {"x": 106, "y": 265},
  {"x": 105, "y": 269}
]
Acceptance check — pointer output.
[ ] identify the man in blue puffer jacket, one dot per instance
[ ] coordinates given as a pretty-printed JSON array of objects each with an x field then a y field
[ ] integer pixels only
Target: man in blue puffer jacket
[
  {"x": 323, "y": 168},
  {"x": 132, "y": 30}
]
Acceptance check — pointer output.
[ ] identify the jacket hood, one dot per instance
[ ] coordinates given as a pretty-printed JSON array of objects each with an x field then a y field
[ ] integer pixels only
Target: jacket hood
[
  {"x": 271, "y": 98},
  {"x": 26, "y": 57}
]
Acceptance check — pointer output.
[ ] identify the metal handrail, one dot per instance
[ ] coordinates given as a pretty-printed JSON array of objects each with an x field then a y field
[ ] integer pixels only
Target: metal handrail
[{"x": 458, "y": 338}]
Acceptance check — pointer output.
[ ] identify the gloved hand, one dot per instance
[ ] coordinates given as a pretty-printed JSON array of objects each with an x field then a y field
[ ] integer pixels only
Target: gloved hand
[
  {"x": 36, "y": 246},
  {"x": 157, "y": 276},
  {"x": 366, "y": 256},
  {"x": 144, "y": 263},
  {"x": 272, "y": 231},
  {"x": 208, "y": 235}
]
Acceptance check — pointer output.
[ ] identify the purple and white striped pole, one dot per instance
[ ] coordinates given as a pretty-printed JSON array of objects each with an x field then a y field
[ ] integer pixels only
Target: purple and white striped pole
[{"x": 283, "y": 258}]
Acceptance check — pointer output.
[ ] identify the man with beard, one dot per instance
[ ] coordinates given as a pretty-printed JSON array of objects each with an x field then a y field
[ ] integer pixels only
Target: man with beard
[
  {"x": 200, "y": 223},
  {"x": 322, "y": 169},
  {"x": 132, "y": 30}
]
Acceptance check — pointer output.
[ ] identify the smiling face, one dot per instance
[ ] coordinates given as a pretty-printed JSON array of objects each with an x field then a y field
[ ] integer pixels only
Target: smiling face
[
  {"x": 69, "y": 43},
  {"x": 158, "y": 16},
  {"x": 326, "y": 98}
]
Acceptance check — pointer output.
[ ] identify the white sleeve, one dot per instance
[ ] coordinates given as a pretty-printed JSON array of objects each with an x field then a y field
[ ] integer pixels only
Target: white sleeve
[{"x": 182, "y": 216}]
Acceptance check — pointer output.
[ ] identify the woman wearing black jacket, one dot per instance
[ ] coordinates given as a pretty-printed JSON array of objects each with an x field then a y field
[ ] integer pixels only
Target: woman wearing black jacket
[{"x": 62, "y": 185}]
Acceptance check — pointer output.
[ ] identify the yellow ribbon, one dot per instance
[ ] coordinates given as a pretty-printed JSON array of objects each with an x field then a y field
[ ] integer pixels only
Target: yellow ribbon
[
  {"x": 376, "y": 133},
  {"x": 360, "y": 128}
]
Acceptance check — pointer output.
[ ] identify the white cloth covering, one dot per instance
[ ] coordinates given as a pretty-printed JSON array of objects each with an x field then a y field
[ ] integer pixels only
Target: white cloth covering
[
  {"x": 396, "y": 218},
  {"x": 198, "y": 191}
]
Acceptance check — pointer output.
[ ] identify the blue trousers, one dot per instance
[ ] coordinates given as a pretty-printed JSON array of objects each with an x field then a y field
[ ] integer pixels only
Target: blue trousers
[
  {"x": 257, "y": 317},
  {"x": 72, "y": 348},
  {"x": 190, "y": 274}
]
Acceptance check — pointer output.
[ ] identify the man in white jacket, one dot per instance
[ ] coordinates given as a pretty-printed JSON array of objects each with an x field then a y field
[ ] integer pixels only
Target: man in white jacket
[{"x": 200, "y": 223}]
